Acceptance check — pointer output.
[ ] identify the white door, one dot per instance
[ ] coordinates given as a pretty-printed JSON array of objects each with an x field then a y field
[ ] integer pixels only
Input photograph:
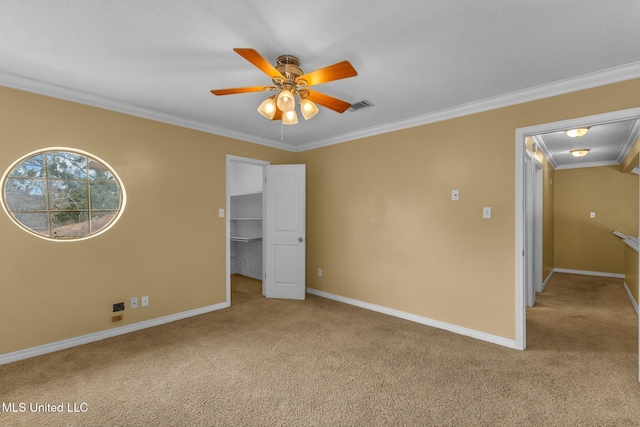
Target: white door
[{"x": 285, "y": 231}]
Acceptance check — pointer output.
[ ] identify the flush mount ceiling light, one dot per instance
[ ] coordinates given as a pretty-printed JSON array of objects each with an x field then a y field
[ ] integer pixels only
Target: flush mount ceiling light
[
  {"x": 577, "y": 133},
  {"x": 581, "y": 152},
  {"x": 290, "y": 82}
]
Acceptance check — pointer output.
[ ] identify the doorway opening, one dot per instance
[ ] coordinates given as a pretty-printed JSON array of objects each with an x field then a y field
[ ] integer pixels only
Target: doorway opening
[
  {"x": 524, "y": 252},
  {"x": 266, "y": 226},
  {"x": 244, "y": 229}
]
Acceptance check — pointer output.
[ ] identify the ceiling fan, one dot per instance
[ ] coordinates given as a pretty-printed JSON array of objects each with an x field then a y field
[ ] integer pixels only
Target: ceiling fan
[{"x": 290, "y": 81}]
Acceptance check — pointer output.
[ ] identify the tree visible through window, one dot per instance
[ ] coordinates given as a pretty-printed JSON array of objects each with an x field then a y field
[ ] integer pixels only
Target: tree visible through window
[{"x": 62, "y": 194}]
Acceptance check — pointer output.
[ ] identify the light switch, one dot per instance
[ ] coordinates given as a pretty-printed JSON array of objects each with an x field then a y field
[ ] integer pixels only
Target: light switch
[
  {"x": 221, "y": 213},
  {"x": 486, "y": 212},
  {"x": 455, "y": 195},
  {"x": 592, "y": 215}
]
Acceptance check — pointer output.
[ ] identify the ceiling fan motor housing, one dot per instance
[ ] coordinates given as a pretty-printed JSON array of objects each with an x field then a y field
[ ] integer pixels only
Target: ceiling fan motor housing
[{"x": 288, "y": 66}]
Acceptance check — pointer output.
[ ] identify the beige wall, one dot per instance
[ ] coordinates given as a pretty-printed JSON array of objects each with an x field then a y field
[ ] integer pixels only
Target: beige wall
[
  {"x": 630, "y": 161},
  {"x": 583, "y": 243},
  {"x": 385, "y": 231},
  {"x": 169, "y": 243},
  {"x": 380, "y": 223},
  {"x": 631, "y": 271}
]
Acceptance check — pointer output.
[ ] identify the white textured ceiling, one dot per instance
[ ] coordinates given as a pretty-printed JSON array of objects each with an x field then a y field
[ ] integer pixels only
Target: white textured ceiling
[
  {"x": 608, "y": 144},
  {"x": 417, "y": 61}
]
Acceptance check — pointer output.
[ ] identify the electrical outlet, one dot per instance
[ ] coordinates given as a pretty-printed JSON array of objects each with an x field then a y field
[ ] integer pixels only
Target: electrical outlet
[
  {"x": 486, "y": 212},
  {"x": 145, "y": 301},
  {"x": 133, "y": 303},
  {"x": 116, "y": 318}
]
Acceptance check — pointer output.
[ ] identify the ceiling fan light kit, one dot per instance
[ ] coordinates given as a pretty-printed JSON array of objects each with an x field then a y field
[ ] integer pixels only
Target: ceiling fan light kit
[
  {"x": 290, "y": 81},
  {"x": 289, "y": 117},
  {"x": 268, "y": 108},
  {"x": 308, "y": 108},
  {"x": 286, "y": 102}
]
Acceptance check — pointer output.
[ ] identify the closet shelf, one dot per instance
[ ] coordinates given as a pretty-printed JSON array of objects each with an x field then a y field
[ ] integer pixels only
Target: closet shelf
[
  {"x": 245, "y": 239},
  {"x": 246, "y": 193},
  {"x": 632, "y": 242},
  {"x": 245, "y": 219}
]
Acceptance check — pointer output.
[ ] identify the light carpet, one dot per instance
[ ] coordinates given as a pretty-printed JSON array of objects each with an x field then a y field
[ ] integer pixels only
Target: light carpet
[{"x": 318, "y": 362}]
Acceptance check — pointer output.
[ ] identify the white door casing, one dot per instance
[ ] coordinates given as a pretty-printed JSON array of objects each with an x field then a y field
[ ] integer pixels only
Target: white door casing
[
  {"x": 537, "y": 227},
  {"x": 529, "y": 226},
  {"x": 533, "y": 227},
  {"x": 285, "y": 231}
]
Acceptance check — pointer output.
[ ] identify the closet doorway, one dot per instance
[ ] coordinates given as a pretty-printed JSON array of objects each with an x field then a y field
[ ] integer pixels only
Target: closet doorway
[
  {"x": 266, "y": 226},
  {"x": 245, "y": 243}
]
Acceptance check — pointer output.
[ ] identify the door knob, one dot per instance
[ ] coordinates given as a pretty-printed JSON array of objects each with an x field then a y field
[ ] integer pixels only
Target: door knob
[{"x": 300, "y": 239}]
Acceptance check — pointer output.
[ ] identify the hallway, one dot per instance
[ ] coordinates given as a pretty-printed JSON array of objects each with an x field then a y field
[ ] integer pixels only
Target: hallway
[{"x": 584, "y": 314}]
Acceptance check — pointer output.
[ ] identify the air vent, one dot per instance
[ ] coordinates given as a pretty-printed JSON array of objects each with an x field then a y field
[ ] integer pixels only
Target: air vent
[{"x": 361, "y": 105}]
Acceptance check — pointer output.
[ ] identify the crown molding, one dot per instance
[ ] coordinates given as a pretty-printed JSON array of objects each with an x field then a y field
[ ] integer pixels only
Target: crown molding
[
  {"x": 41, "y": 88},
  {"x": 560, "y": 87},
  {"x": 629, "y": 141},
  {"x": 542, "y": 144},
  {"x": 585, "y": 81},
  {"x": 589, "y": 164}
]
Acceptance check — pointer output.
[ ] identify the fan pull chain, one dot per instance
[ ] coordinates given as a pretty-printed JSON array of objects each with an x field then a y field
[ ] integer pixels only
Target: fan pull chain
[{"x": 282, "y": 130}]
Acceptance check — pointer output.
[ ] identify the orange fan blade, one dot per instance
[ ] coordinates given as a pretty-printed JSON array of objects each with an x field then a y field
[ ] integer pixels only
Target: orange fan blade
[
  {"x": 328, "y": 101},
  {"x": 231, "y": 91},
  {"x": 258, "y": 60},
  {"x": 338, "y": 71},
  {"x": 277, "y": 115}
]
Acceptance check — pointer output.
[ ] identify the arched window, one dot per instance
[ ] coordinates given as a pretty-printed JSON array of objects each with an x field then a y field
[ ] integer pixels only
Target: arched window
[{"x": 62, "y": 194}]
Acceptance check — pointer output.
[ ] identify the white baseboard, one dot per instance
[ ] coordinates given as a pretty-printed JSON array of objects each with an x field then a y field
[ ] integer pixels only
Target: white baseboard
[
  {"x": 588, "y": 273},
  {"x": 633, "y": 302},
  {"x": 494, "y": 339},
  {"x": 546, "y": 282},
  {"x": 97, "y": 336},
  {"x": 249, "y": 275}
]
